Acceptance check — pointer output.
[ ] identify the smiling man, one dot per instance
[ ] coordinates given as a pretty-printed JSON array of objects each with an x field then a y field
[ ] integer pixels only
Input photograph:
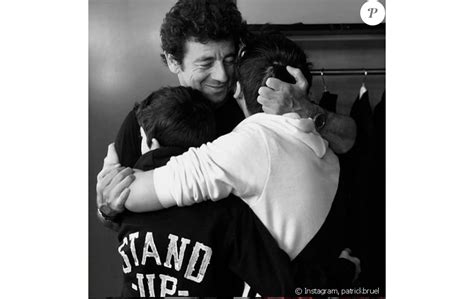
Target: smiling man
[
  {"x": 206, "y": 67},
  {"x": 200, "y": 39}
]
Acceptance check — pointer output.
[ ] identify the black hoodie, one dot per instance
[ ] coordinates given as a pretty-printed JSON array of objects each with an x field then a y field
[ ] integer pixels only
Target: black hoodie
[{"x": 207, "y": 249}]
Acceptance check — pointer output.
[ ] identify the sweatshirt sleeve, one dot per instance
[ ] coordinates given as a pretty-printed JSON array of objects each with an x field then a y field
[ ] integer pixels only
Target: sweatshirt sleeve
[
  {"x": 235, "y": 163},
  {"x": 128, "y": 140}
]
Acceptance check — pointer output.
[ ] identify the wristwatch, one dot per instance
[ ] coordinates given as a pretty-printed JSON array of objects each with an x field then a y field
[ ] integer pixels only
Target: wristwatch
[
  {"x": 108, "y": 221},
  {"x": 105, "y": 216},
  {"x": 319, "y": 121}
]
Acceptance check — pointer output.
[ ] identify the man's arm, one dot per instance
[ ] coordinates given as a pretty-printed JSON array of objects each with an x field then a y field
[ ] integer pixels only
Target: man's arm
[
  {"x": 128, "y": 141},
  {"x": 339, "y": 130},
  {"x": 279, "y": 97},
  {"x": 126, "y": 150}
]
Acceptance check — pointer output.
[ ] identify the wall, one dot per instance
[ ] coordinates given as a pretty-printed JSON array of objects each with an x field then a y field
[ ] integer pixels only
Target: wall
[
  {"x": 125, "y": 66},
  {"x": 302, "y": 11}
]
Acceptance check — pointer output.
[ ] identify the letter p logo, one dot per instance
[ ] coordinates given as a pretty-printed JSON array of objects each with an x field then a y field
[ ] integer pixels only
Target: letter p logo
[{"x": 372, "y": 12}]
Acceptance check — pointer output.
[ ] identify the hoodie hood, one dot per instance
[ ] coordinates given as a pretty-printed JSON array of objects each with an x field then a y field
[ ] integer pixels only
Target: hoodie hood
[
  {"x": 157, "y": 158},
  {"x": 291, "y": 123}
]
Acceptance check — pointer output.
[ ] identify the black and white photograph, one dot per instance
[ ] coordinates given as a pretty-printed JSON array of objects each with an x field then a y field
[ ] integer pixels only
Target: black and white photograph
[{"x": 236, "y": 148}]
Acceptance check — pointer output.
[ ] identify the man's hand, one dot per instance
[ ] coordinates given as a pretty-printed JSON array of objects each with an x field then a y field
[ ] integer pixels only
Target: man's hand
[
  {"x": 112, "y": 188},
  {"x": 346, "y": 254},
  {"x": 279, "y": 97},
  {"x": 112, "y": 158}
]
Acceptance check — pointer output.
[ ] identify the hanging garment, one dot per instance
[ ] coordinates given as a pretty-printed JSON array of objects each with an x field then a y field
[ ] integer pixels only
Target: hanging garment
[
  {"x": 362, "y": 114},
  {"x": 376, "y": 200},
  {"x": 328, "y": 101},
  {"x": 379, "y": 123},
  {"x": 356, "y": 163}
]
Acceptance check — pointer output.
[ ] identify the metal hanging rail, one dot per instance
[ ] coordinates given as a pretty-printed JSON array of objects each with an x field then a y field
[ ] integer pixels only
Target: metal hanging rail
[
  {"x": 299, "y": 29},
  {"x": 345, "y": 72}
]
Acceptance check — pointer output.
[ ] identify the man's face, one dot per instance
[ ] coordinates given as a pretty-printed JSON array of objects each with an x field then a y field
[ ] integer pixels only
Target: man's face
[{"x": 209, "y": 68}]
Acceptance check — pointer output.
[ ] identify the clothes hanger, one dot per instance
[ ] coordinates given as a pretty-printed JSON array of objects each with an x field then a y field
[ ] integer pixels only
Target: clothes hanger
[
  {"x": 324, "y": 82},
  {"x": 363, "y": 89}
]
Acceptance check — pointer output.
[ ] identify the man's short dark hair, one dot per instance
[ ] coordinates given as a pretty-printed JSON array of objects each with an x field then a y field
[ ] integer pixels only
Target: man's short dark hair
[
  {"x": 201, "y": 21},
  {"x": 177, "y": 116},
  {"x": 267, "y": 55}
]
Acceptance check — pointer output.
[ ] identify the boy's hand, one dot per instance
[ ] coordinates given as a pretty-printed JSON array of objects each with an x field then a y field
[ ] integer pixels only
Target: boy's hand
[{"x": 279, "y": 97}]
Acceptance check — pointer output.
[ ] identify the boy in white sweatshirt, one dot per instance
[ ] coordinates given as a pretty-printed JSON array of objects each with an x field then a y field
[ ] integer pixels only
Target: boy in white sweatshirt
[{"x": 278, "y": 164}]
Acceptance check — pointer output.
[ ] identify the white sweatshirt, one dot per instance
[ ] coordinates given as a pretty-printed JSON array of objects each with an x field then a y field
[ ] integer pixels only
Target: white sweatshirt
[{"x": 278, "y": 164}]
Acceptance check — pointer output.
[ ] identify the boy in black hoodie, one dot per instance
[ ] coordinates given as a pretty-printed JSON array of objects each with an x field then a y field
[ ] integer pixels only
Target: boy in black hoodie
[{"x": 208, "y": 249}]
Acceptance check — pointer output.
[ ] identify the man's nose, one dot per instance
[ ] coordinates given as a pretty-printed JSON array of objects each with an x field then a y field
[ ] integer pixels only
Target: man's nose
[{"x": 219, "y": 73}]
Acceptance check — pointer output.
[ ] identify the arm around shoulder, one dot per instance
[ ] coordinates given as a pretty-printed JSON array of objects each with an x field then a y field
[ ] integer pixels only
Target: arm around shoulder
[
  {"x": 210, "y": 172},
  {"x": 142, "y": 197}
]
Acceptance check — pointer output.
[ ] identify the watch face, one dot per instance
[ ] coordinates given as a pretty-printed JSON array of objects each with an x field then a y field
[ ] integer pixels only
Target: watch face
[
  {"x": 106, "y": 212},
  {"x": 319, "y": 121}
]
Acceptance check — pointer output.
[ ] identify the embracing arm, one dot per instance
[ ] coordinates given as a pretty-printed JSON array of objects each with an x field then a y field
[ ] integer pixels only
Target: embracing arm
[
  {"x": 142, "y": 197},
  {"x": 210, "y": 172},
  {"x": 279, "y": 97},
  {"x": 112, "y": 185}
]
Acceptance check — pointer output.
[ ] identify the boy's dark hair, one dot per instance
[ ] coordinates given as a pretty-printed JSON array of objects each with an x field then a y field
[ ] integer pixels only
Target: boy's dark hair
[
  {"x": 201, "y": 21},
  {"x": 267, "y": 55},
  {"x": 177, "y": 116}
]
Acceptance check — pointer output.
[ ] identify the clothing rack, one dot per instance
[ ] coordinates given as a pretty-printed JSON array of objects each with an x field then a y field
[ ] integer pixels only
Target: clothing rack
[{"x": 345, "y": 72}]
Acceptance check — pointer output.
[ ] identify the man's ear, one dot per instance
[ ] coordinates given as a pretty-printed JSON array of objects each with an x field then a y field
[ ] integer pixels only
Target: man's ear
[
  {"x": 154, "y": 144},
  {"x": 173, "y": 65}
]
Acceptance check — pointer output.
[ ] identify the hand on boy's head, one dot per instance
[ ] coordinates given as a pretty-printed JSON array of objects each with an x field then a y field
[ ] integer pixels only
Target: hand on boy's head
[{"x": 279, "y": 97}]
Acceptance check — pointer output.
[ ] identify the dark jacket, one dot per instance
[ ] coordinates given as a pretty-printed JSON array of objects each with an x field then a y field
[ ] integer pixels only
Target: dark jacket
[{"x": 205, "y": 249}]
